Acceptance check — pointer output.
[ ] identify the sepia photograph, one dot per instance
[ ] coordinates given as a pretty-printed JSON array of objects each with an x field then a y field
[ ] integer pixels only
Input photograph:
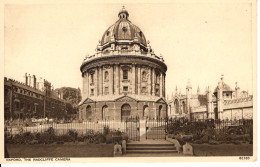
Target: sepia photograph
[{"x": 160, "y": 81}]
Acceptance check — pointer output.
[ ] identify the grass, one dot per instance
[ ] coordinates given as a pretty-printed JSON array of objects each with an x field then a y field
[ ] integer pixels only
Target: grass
[
  {"x": 223, "y": 150},
  {"x": 64, "y": 150}
]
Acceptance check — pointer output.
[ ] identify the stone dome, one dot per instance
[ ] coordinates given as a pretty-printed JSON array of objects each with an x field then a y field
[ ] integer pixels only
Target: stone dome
[{"x": 123, "y": 29}]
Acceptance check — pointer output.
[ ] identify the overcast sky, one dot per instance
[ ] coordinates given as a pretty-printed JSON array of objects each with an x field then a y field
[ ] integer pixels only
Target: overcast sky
[{"x": 199, "y": 41}]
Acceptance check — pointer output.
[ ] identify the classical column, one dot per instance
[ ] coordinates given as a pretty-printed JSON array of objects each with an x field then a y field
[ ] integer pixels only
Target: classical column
[
  {"x": 95, "y": 82},
  {"x": 139, "y": 80},
  {"x": 153, "y": 81},
  {"x": 133, "y": 79},
  {"x": 87, "y": 85},
  {"x": 150, "y": 81},
  {"x": 84, "y": 85},
  {"x": 100, "y": 80},
  {"x": 161, "y": 84},
  {"x": 111, "y": 71},
  {"x": 116, "y": 79}
]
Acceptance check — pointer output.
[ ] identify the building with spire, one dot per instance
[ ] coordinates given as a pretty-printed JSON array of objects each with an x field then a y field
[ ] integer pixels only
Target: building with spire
[
  {"x": 124, "y": 78},
  {"x": 222, "y": 103}
]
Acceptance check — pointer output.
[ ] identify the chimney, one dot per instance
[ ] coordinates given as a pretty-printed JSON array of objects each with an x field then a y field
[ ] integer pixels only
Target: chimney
[
  {"x": 29, "y": 77},
  {"x": 26, "y": 79},
  {"x": 34, "y": 82}
]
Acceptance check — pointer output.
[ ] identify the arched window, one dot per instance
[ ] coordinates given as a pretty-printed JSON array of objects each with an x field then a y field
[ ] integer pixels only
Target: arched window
[
  {"x": 160, "y": 111},
  {"x": 157, "y": 78},
  {"x": 92, "y": 78},
  {"x": 144, "y": 76},
  {"x": 145, "y": 111},
  {"x": 176, "y": 105},
  {"x": 105, "y": 114},
  {"x": 88, "y": 112},
  {"x": 125, "y": 111},
  {"x": 106, "y": 76},
  {"x": 125, "y": 74},
  {"x": 184, "y": 107}
]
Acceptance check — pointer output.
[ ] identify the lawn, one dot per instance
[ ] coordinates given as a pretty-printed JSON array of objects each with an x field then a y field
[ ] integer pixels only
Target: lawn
[
  {"x": 223, "y": 150},
  {"x": 63, "y": 150}
]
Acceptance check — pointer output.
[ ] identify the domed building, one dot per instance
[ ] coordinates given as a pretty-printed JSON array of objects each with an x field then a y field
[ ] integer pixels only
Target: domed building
[{"x": 124, "y": 78}]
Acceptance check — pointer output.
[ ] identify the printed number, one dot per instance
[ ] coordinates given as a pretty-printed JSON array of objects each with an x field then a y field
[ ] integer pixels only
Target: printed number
[{"x": 244, "y": 158}]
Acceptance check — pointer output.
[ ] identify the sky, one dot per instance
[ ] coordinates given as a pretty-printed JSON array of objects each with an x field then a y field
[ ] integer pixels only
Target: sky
[{"x": 199, "y": 41}]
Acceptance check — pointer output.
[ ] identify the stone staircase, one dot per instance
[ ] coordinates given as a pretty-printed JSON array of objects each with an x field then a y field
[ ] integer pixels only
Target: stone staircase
[{"x": 150, "y": 148}]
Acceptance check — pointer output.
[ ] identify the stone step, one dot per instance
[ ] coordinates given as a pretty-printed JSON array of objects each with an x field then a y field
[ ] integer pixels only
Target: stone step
[
  {"x": 151, "y": 151},
  {"x": 151, "y": 148},
  {"x": 149, "y": 145}
]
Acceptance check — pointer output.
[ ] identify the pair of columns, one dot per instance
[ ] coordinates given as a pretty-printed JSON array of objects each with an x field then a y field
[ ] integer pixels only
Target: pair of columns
[{"x": 115, "y": 80}]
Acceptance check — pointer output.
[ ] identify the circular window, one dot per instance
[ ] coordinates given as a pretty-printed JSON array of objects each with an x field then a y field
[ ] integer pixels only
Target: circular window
[{"x": 124, "y": 29}]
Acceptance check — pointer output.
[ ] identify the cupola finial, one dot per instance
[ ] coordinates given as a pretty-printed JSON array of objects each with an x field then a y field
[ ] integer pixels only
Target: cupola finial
[{"x": 123, "y": 14}]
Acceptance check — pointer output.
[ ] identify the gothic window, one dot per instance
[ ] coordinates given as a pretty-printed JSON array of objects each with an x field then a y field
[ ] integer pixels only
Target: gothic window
[
  {"x": 176, "y": 105},
  {"x": 144, "y": 76},
  {"x": 106, "y": 76},
  {"x": 125, "y": 74},
  {"x": 184, "y": 107}
]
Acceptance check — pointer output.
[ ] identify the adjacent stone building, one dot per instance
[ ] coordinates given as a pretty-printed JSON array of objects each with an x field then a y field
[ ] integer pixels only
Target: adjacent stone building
[
  {"x": 224, "y": 103},
  {"x": 32, "y": 99},
  {"x": 124, "y": 78}
]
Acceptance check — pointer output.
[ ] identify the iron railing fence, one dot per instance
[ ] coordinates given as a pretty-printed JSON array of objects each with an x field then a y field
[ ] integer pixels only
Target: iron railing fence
[
  {"x": 232, "y": 126},
  {"x": 156, "y": 128},
  {"x": 131, "y": 126}
]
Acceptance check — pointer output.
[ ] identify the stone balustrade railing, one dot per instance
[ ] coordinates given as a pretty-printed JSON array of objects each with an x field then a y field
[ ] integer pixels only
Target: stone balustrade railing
[{"x": 122, "y": 52}]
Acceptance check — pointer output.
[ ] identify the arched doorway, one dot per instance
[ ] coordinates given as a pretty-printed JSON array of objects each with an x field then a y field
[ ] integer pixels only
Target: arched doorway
[
  {"x": 88, "y": 112},
  {"x": 105, "y": 114},
  {"x": 145, "y": 112},
  {"x": 125, "y": 111}
]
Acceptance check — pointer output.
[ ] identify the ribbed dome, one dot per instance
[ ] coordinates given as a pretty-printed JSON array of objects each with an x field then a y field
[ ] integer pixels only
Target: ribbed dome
[{"x": 123, "y": 29}]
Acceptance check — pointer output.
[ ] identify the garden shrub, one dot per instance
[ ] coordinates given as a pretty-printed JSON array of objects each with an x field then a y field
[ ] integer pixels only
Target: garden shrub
[
  {"x": 109, "y": 138},
  {"x": 100, "y": 138},
  {"x": 67, "y": 138},
  {"x": 106, "y": 130},
  {"x": 73, "y": 134}
]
